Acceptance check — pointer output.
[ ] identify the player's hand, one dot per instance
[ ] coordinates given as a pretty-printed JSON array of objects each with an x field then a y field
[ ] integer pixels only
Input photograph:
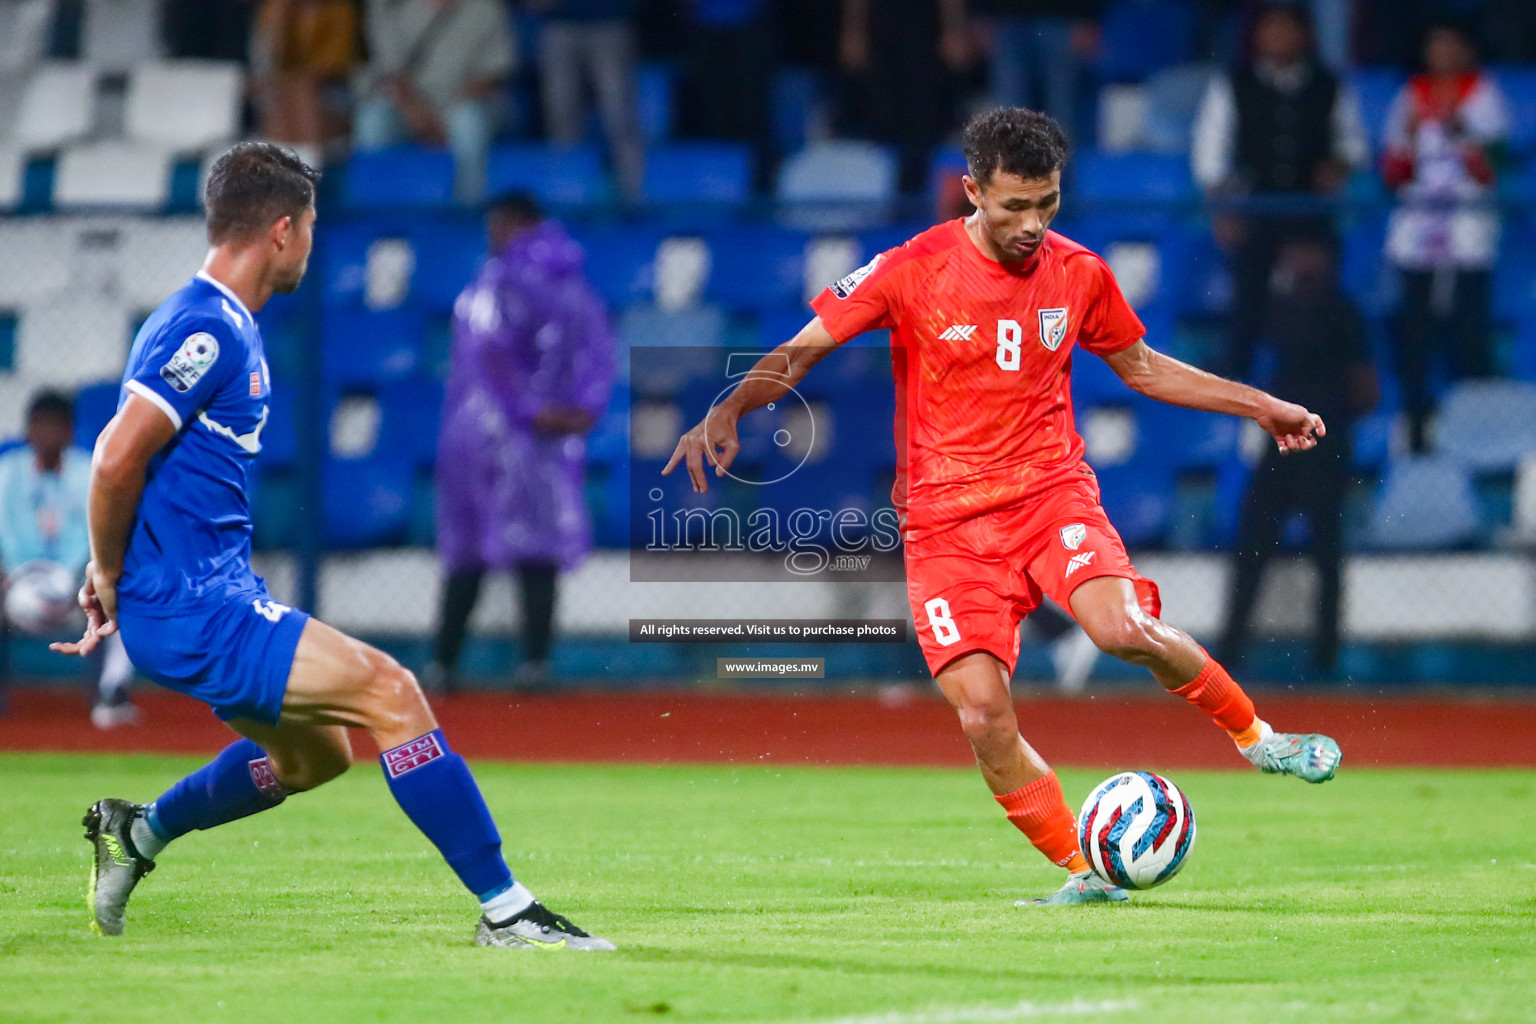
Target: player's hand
[
  {"x": 98, "y": 596},
  {"x": 715, "y": 439},
  {"x": 1292, "y": 426}
]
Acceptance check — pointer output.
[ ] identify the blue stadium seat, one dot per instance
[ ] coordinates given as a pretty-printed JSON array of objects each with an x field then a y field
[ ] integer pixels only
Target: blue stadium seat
[
  {"x": 776, "y": 326},
  {"x": 668, "y": 349},
  {"x": 1372, "y": 440},
  {"x": 343, "y": 250},
  {"x": 1366, "y": 276},
  {"x": 630, "y": 489},
  {"x": 557, "y": 175},
  {"x": 621, "y": 262},
  {"x": 410, "y": 415},
  {"x": 655, "y": 98},
  {"x": 1487, "y": 424},
  {"x": 1153, "y": 281},
  {"x": 366, "y": 348},
  {"x": 1131, "y": 178},
  {"x": 699, "y": 172},
  {"x": 876, "y": 240},
  {"x": 276, "y": 509},
  {"x": 365, "y": 502},
  {"x": 796, "y": 95},
  {"x": 608, "y": 443},
  {"x": 1094, "y": 383},
  {"x": 1139, "y": 37},
  {"x": 448, "y": 256},
  {"x": 1173, "y": 100},
  {"x": 825, "y": 490},
  {"x": 280, "y": 438},
  {"x": 399, "y": 176},
  {"x": 756, "y": 268},
  {"x": 1138, "y": 499},
  {"x": 1523, "y": 362},
  {"x": 95, "y": 405},
  {"x": 1514, "y": 275},
  {"x": 837, "y": 186},
  {"x": 1519, "y": 87},
  {"x": 1184, "y": 438},
  {"x": 1207, "y": 279},
  {"x": 1424, "y": 502},
  {"x": 1376, "y": 88}
]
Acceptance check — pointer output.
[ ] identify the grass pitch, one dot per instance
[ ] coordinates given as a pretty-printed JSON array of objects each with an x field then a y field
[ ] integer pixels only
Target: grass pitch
[{"x": 753, "y": 894}]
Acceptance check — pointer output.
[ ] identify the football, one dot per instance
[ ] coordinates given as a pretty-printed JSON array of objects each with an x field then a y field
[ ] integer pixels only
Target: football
[
  {"x": 40, "y": 597},
  {"x": 1136, "y": 829}
]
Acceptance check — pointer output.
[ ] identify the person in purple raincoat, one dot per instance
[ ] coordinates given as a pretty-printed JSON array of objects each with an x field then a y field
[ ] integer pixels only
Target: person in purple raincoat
[{"x": 531, "y": 372}]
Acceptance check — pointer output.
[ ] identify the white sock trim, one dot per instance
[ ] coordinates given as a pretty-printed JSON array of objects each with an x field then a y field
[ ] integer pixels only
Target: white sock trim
[
  {"x": 1254, "y": 753},
  {"x": 506, "y": 905},
  {"x": 149, "y": 844}
]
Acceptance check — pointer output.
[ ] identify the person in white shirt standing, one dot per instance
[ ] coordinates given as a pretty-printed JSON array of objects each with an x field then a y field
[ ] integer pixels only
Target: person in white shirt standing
[{"x": 1446, "y": 134}]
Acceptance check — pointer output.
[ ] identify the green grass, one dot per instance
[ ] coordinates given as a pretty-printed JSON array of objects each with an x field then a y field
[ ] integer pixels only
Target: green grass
[{"x": 762, "y": 894}]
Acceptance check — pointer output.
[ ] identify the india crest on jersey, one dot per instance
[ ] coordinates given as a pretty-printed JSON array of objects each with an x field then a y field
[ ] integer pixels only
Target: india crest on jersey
[{"x": 1053, "y": 327}]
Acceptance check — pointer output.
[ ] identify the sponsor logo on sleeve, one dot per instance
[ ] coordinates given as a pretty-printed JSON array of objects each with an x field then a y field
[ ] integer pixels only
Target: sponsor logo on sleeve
[
  {"x": 1081, "y": 560},
  {"x": 255, "y": 385},
  {"x": 844, "y": 288},
  {"x": 1072, "y": 536},
  {"x": 191, "y": 361},
  {"x": 1053, "y": 328},
  {"x": 410, "y": 756}
]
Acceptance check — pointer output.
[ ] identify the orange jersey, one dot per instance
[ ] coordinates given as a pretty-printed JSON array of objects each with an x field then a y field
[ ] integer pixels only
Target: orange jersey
[{"x": 982, "y": 354}]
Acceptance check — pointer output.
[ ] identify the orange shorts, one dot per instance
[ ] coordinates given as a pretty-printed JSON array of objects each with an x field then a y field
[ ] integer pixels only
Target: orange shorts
[{"x": 971, "y": 584}]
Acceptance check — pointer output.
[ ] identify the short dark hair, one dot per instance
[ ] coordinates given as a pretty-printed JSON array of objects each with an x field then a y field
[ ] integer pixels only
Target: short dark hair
[
  {"x": 51, "y": 404},
  {"x": 520, "y": 205},
  {"x": 1014, "y": 140},
  {"x": 251, "y": 186}
]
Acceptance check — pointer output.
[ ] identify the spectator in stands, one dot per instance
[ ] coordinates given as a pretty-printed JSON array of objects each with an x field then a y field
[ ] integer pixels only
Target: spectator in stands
[
  {"x": 1279, "y": 127},
  {"x": 43, "y": 490},
  {"x": 531, "y": 370},
  {"x": 593, "y": 41},
  {"x": 302, "y": 52},
  {"x": 1446, "y": 135},
  {"x": 1323, "y": 358},
  {"x": 435, "y": 77},
  {"x": 1039, "y": 51},
  {"x": 730, "y": 59},
  {"x": 900, "y": 55}
]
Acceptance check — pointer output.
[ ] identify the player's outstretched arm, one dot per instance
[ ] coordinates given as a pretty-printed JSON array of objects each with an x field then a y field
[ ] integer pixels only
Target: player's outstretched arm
[
  {"x": 122, "y": 455},
  {"x": 714, "y": 438},
  {"x": 1167, "y": 379}
]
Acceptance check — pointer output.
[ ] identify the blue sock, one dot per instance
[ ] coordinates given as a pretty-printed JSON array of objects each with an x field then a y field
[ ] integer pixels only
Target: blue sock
[
  {"x": 434, "y": 788},
  {"x": 237, "y": 783}
]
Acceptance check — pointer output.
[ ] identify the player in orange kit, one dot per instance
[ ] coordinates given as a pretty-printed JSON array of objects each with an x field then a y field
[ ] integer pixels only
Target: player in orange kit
[{"x": 997, "y": 504}]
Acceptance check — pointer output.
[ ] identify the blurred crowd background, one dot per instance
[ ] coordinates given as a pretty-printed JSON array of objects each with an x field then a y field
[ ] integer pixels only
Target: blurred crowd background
[{"x": 1332, "y": 199}]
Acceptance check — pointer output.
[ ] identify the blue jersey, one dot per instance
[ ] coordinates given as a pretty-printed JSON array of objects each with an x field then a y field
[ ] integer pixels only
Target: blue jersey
[{"x": 199, "y": 359}]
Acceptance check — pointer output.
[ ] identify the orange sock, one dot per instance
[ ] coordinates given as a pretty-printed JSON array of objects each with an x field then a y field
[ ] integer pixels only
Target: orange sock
[
  {"x": 1214, "y": 692},
  {"x": 1040, "y": 811}
]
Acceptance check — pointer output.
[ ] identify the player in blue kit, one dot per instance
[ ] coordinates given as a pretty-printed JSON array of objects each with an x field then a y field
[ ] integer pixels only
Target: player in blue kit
[{"x": 170, "y": 529}]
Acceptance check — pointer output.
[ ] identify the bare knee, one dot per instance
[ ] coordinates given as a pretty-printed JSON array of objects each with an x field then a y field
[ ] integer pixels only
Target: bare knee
[
  {"x": 397, "y": 709},
  {"x": 989, "y": 720},
  {"x": 1129, "y": 637}
]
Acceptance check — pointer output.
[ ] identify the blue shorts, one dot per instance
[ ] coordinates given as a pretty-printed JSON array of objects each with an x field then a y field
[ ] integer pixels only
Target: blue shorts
[{"x": 234, "y": 655}]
